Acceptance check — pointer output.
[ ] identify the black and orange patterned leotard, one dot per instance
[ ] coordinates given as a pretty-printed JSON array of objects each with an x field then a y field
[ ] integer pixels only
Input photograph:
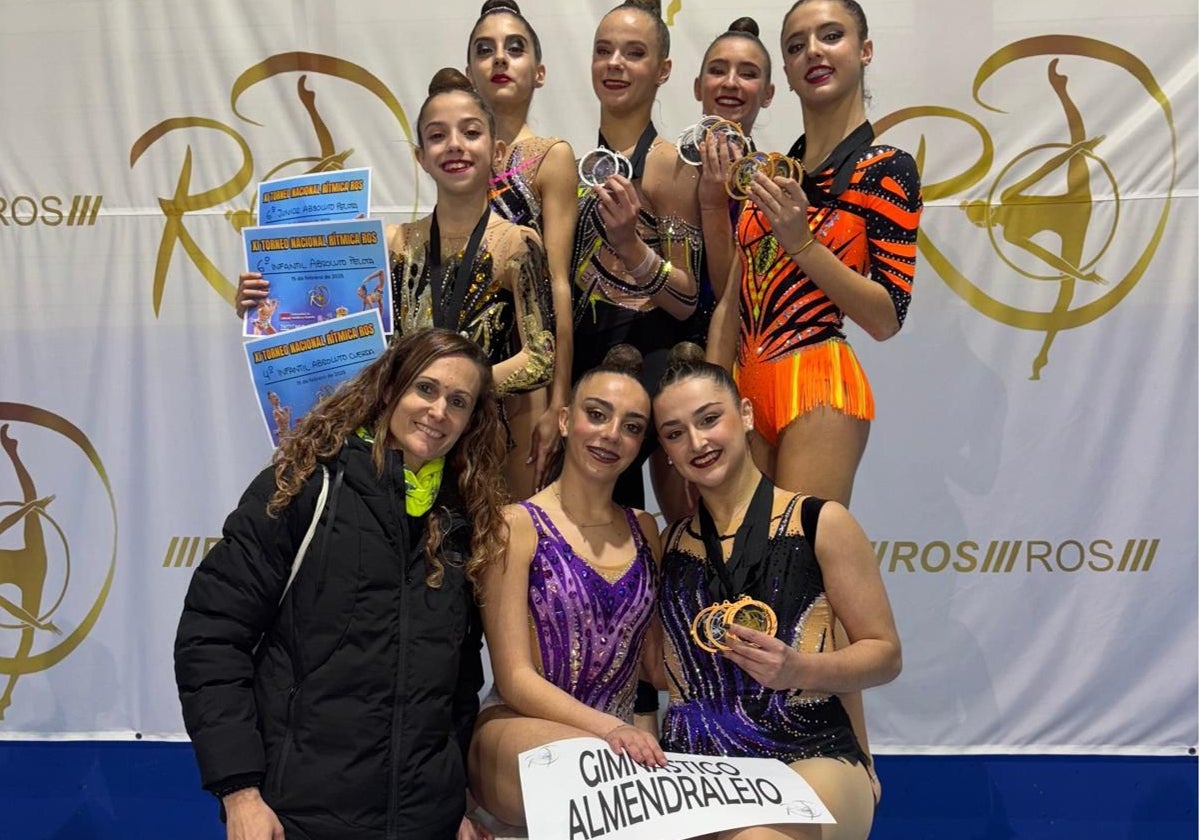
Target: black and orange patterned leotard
[{"x": 864, "y": 206}]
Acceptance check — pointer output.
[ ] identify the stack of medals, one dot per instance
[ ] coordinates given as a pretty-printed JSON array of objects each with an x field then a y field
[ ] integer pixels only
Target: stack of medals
[
  {"x": 745, "y": 162},
  {"x": 771, "y": 164},
  {"x": 694, "y": 136},
  {"x": 710, "y": 624}
]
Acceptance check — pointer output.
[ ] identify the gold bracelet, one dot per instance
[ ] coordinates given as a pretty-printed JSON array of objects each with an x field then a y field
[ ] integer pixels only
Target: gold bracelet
[{"x": 802, "y": 248}]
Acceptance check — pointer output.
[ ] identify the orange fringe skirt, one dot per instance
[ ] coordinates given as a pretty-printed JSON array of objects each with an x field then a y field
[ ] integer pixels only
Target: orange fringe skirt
[{"x": 781, "y": 390}]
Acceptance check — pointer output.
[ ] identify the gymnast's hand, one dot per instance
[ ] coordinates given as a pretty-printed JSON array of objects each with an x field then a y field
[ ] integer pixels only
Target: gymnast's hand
[
  {"x": 544, "y": 444},
  {"x": 252, "y": 288},
  {"x": 638, "y": 744},
  {"x": 785, "y": 205},
  {"x": 619, "y": 205},
  {"x": 716, "y": 159},
  {"x": 767, "y": 659}
]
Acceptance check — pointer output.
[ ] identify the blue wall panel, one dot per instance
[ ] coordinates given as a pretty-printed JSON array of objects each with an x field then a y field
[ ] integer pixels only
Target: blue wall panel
[{"x": 150, "y": 791}]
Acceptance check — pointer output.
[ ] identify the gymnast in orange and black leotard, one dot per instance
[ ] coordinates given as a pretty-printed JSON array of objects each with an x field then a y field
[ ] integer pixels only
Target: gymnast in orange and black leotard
[
  {"x": 838, "y": 243},
  {"x": 792, "y": 352}
]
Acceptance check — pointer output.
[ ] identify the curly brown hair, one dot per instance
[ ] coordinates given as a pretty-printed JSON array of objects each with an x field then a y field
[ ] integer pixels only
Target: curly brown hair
[{"x": 368, "y": 400}]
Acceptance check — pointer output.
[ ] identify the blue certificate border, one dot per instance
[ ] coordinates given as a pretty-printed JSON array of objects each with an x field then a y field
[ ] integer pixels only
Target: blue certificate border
[
  {"x": 294, "y": 371},
  {"x": 334, "y": 195},
  {"x": 317, "y": 272}
]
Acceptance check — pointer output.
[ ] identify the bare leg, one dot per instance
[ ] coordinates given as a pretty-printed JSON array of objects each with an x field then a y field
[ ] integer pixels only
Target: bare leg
[
  {"x": 764, "y": 456},
  {"x": 494, "y": 775},
  {"x": 647, "y": 722},
  {"x": 819, "y": 452},
  {"x": 845, "y": 790}
]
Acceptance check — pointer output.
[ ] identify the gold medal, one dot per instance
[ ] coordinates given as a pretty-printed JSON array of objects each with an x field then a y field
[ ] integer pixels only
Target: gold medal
[
  {"x": 703, "y": 628},
  {"x": 710, "y": 624},
  {"x": 781, "y": 166},
  {"x": 747, "y": 612},
  {"x": 730, "y": 132},
  {"x": 741, "y": 175}
]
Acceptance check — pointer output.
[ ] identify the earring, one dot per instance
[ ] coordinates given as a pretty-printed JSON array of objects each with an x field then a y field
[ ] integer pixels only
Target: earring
[{"x": 670, "y": 463}]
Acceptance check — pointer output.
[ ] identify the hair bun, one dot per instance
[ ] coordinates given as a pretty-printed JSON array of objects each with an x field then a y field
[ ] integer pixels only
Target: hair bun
[
  {"x": 499, "y": 6},
  {"x": 745, "y": 24},
  {"x": 624, "y": 358},
  {"x": 654, "y": 7},
  {"x": 685, "y": 353},
  {"x": 448, "y": 79}
]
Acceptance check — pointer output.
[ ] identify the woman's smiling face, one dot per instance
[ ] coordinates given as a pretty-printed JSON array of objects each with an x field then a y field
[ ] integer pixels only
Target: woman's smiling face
[
  {"x": 626, "y": 67},
  {"x": 823, "y": 55}
]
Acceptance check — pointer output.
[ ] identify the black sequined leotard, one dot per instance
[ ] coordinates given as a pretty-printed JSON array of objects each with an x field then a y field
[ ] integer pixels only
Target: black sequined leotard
[{"x": 716, "y": 708}]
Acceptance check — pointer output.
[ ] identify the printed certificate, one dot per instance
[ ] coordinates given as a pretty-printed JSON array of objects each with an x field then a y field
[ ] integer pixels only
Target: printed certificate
[
  {"x": 335, "y": 195},
  {"x": 317, "y": 271},
  {"x": 294, "y": 371}
]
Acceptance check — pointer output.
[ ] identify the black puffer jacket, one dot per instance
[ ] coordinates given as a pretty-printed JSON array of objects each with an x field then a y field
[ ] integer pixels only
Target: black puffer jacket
[{"x": 356, "y": 709}]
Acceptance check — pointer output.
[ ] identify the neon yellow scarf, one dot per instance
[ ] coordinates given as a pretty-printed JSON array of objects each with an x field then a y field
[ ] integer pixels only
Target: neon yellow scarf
[{"x": 420, "y": 488}]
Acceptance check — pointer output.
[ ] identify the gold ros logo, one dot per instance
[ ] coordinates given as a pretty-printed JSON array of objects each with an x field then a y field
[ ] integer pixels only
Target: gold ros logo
[
  {"x": 1052, "y": 211},
  {"x": 49, "y": 599},
  {"x": 188, "y": 198}
]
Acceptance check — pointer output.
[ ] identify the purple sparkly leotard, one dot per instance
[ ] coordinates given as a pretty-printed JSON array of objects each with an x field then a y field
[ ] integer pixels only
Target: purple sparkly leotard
[
  {"x": 716, "y": 708},
  {"x": 588, "y": 630}
]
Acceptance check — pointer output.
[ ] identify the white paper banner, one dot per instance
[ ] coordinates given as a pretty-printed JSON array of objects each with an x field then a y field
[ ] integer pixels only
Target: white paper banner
[{"x": 579, "y": 789}]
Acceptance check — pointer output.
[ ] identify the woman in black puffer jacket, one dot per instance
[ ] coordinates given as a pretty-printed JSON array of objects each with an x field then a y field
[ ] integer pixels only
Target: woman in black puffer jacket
[{"x": 345, "y": 710}]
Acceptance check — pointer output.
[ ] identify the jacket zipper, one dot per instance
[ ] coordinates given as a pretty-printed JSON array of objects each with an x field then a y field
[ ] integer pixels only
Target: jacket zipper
[
  {"x": 275, "y": 785},
  {"x": 393, "y": 828}
]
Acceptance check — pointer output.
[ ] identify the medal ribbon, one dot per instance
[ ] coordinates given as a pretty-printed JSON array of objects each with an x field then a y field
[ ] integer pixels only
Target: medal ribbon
[
  {"x": 749, "y": 543},
  {"x": 450, "y": 315}
]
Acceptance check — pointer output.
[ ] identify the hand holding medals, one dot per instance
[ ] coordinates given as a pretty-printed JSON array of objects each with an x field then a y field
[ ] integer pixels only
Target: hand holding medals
[
  {"x": 739, "y": 573},
  {"x": 746, "y": 164},
  {"x": 771, "y": 164},
  {"x": 600, "y": 164},
  {"x": 710, "y": 624},
  {"x": 692, "y": 138}
]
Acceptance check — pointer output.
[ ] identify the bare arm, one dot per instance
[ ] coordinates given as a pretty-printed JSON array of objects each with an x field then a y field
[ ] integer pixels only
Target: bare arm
[
  {"x": 723, "y": 329},
  {"x": 557, "y": 183},
  {"x": 653, "y": 664},
  {"x": 523, "y": 261},
  {"x": 857, "y": 596},
  {"x": 560, "y": 210},
  {"x": 715, "y": 220},
  {"x": 867, "y": 303},
  {"x": 670, "y": 188}
]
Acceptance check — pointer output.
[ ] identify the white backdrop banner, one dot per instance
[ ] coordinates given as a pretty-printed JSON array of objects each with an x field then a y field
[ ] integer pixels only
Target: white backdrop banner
[{"x": 1031, "y": 481}]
